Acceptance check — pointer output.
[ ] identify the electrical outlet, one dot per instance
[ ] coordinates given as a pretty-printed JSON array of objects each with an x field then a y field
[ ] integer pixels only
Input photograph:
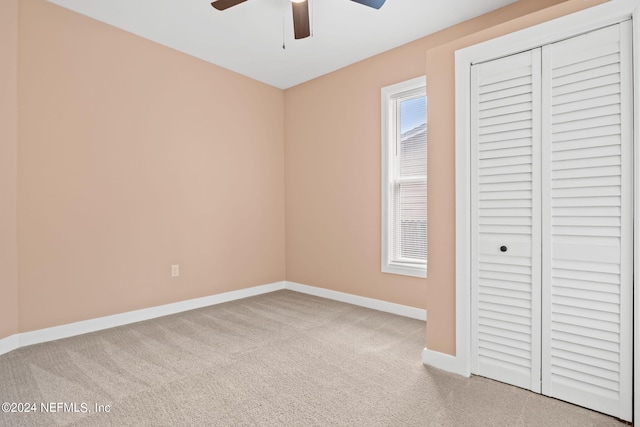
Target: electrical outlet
[{"x": 175, "y": 270}]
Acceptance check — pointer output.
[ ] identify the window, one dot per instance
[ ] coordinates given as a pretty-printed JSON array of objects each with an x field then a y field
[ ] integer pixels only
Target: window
[{"x": 404, "y": 178}]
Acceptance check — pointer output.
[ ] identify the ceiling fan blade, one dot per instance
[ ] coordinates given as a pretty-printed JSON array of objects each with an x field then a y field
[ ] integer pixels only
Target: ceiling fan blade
[
  {"x": 226, "y": 4},
  {"x": 301, "y": 19},
  {"x": 376, "y": 4}
]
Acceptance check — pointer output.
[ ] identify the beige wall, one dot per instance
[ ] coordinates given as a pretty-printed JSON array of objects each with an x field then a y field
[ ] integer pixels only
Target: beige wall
[
  {"x": 132, "y": 157},
  {"x": 8, "y": 167},
  {"x": 332, "y": 150}
]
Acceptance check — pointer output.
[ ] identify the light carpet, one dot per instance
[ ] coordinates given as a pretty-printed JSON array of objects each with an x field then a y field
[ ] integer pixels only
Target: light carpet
[{"x": 279, "y": 359}]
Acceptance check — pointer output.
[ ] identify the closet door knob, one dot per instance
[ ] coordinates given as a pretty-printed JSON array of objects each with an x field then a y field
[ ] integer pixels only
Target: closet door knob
[{"x": 503, "y": 249}]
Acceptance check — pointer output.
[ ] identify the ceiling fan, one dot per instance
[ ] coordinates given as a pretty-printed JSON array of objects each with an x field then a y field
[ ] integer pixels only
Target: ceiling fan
[{"x": 300, "y": 12}]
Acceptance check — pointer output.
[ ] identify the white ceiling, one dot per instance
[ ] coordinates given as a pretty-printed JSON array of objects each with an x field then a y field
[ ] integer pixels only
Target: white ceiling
[{"x": 248, "y": 38}]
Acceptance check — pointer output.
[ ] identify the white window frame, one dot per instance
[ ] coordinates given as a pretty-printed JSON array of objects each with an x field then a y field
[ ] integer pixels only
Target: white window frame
[{"x": 390, "y": 132}]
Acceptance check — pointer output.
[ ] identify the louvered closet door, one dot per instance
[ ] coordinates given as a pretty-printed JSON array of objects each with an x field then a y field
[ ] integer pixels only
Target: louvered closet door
[
  {"x": 506, "y": 225},
  {"x": 587, "y": 220},
  {"x": 552, "y": 220}
]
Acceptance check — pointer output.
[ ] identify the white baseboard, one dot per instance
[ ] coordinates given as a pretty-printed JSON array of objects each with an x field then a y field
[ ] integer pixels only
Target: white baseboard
[
  {"x": 443, "y": 361},
  {"x": 92, "y": 325},
  {"x": 375, "y": 304},
  {"x": 86, "y": 326},
  {"x": 9, "y": 343}
]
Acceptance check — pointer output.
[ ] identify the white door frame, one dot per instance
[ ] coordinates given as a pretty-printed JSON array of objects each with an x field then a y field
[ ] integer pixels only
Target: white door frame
[{"x": 561, "y": 28}]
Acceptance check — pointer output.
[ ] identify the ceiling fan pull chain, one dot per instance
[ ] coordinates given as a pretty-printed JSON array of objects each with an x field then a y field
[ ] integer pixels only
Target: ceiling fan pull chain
[{"x": 283, "y": 39}]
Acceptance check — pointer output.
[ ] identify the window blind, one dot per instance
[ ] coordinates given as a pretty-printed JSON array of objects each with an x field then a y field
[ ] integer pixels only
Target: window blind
[{"x": 409, "y": 181}]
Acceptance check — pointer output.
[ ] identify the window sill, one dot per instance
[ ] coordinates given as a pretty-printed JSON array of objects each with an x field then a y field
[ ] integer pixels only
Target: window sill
[{"x": 406, "y": 270}]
